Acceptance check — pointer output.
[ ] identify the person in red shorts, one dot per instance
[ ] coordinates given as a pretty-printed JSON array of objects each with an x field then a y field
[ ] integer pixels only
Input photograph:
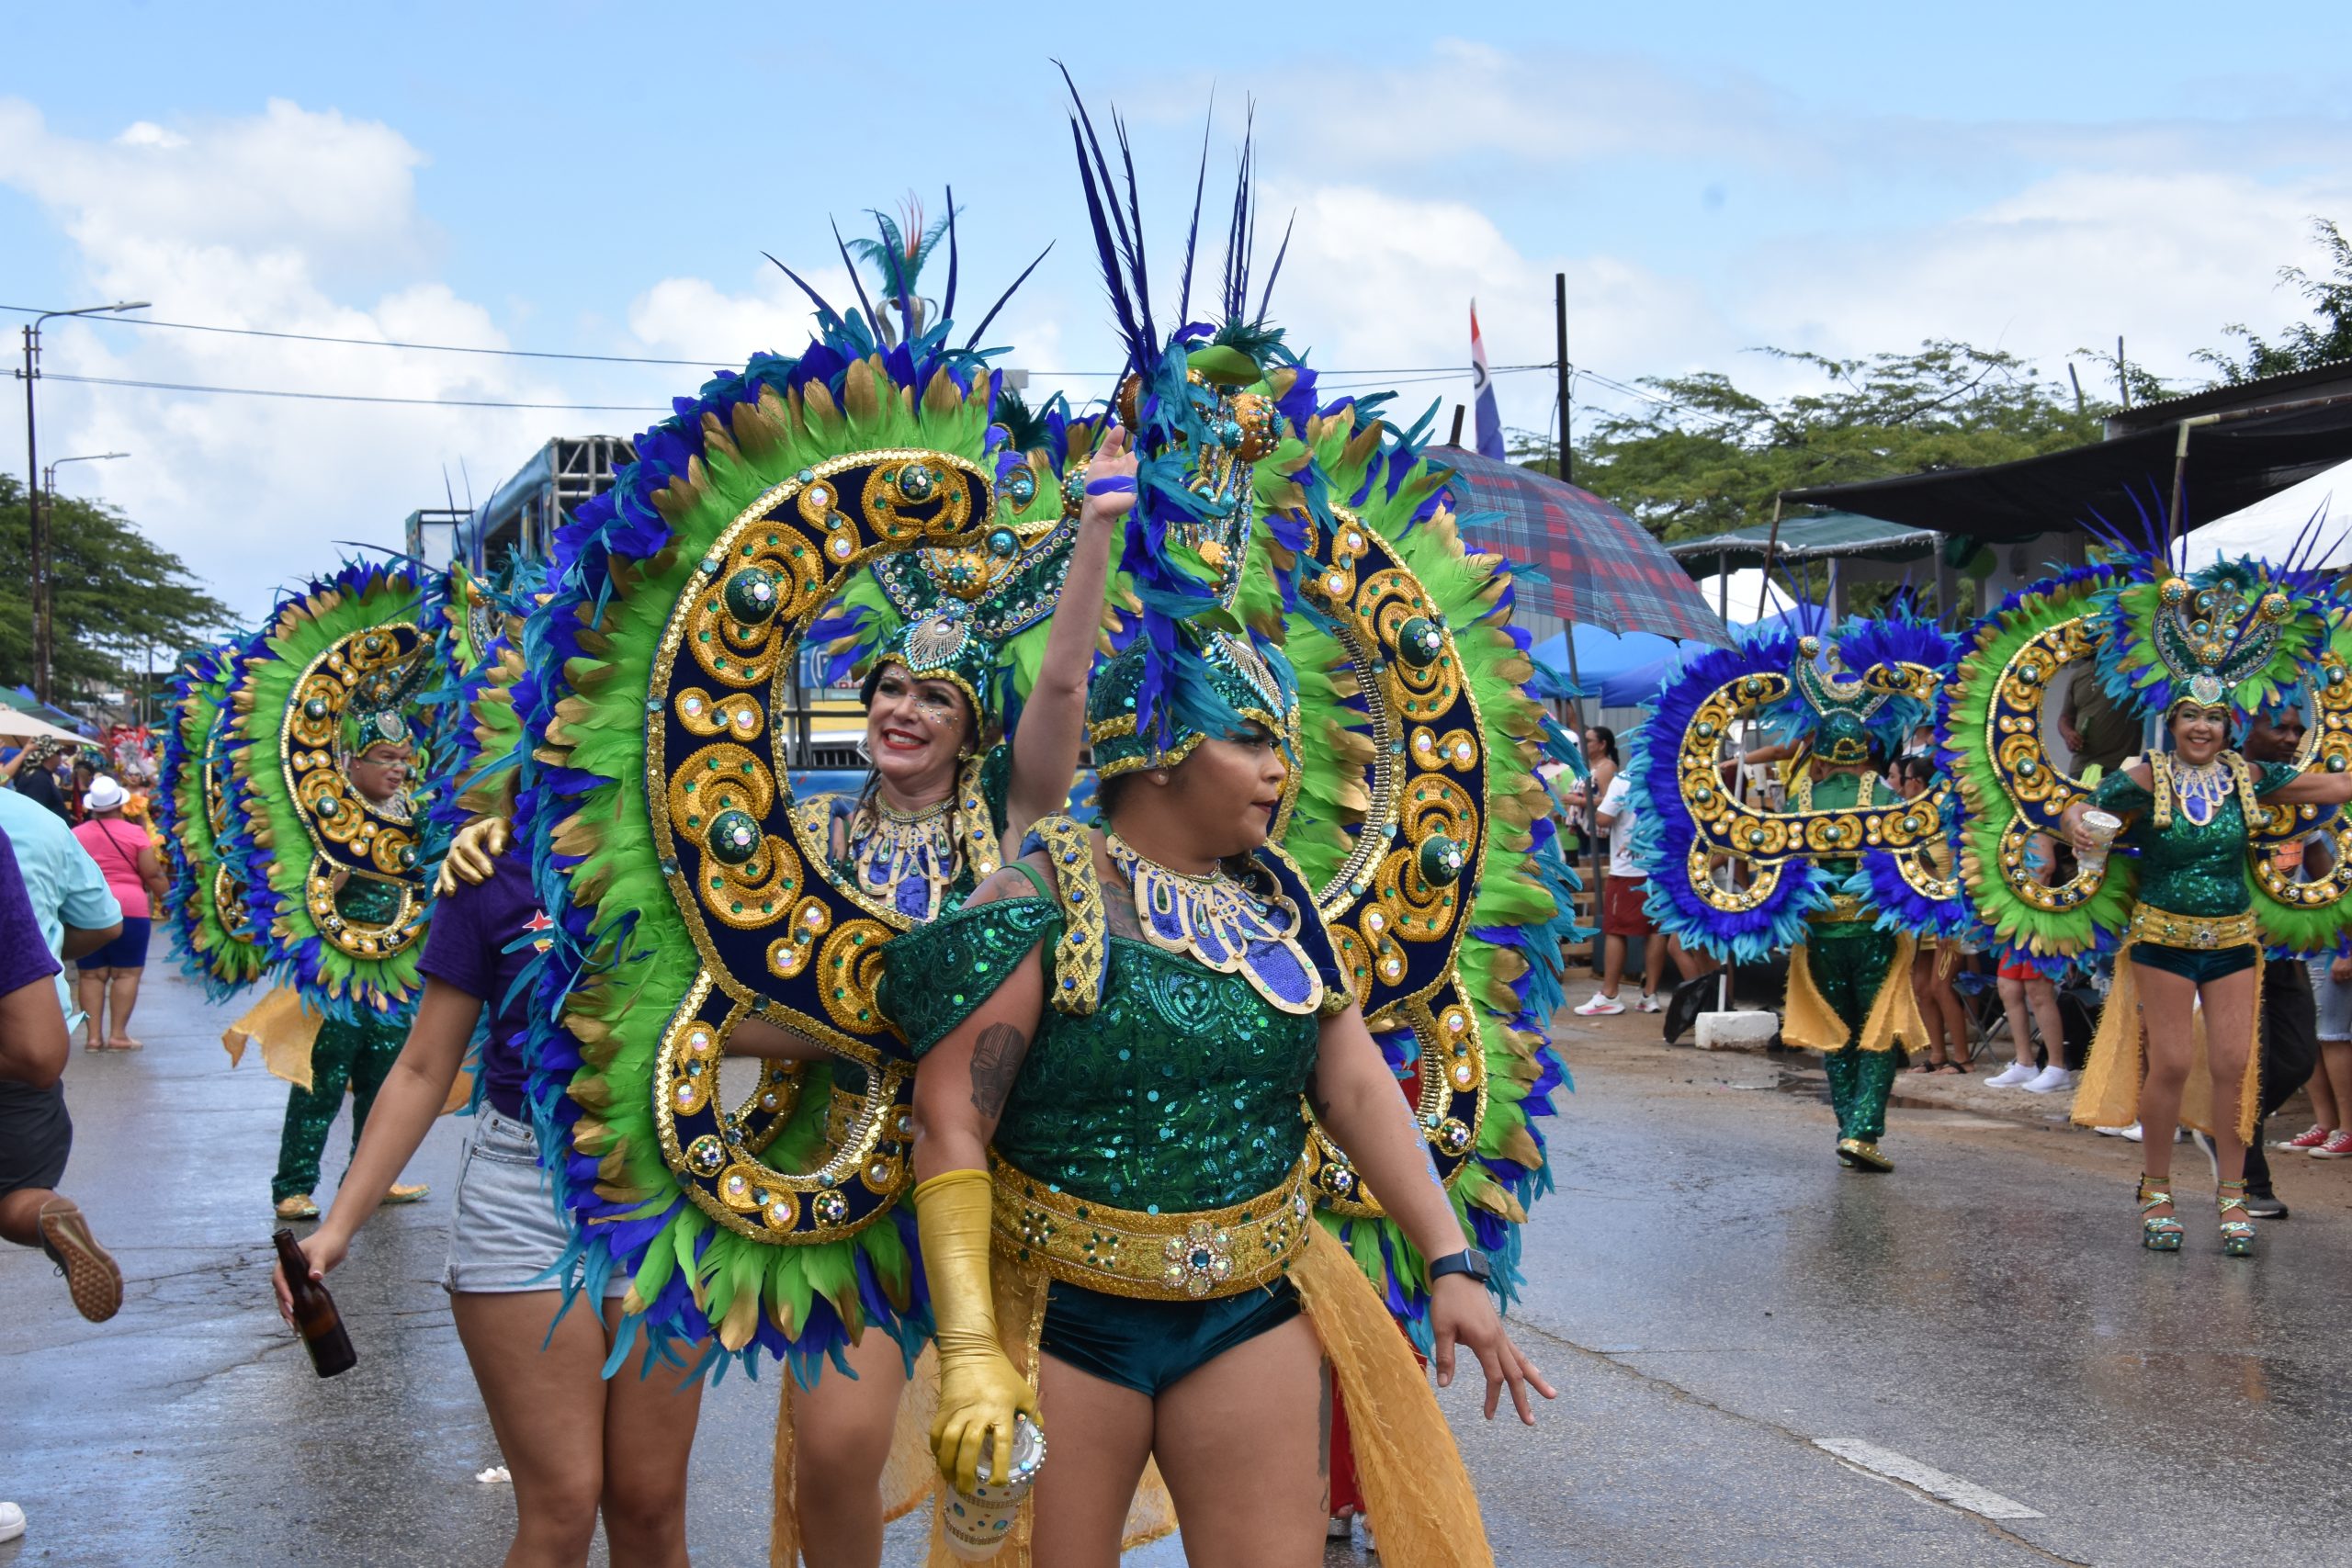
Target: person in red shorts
[{"x": 1622, "y": 918}]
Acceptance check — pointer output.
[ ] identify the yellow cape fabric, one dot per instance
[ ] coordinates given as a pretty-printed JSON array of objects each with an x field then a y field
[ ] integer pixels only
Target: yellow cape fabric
[
  {"x": 1810, "y": 1021},
  {"x": 2108, "y": 1094},
  {"x": 286, "y": 1030}
]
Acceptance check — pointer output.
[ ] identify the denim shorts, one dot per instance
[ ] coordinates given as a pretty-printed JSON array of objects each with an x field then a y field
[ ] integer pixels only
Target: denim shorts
[
  {"x": 506, "y": 1234},
  {"x": 2335, "y": 999}
]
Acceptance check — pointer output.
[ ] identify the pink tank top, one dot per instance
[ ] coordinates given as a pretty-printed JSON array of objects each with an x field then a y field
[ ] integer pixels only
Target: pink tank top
[{"x": 115, "y": 845}]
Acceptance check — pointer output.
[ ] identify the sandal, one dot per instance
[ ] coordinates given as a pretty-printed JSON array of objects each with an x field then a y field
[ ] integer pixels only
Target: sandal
[
  {"x": 2238, "y": 1235},
  {"x": 2159, "y": 1232}
]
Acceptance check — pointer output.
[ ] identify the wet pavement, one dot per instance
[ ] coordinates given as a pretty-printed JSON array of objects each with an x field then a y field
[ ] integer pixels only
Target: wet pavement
[{"x": 1715, "y": 1297}]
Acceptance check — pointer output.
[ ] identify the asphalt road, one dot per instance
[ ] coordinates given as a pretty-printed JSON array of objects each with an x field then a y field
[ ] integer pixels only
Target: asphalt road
[{"x": 1714, "y": 1296}]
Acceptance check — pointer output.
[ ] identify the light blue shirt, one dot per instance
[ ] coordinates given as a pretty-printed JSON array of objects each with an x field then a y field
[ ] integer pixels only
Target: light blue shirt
[{"x": 64, "y": 884}]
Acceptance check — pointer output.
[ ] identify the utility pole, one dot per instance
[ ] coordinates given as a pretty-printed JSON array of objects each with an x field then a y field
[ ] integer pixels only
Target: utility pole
[
  {"x": 1560, "y": 318},
  {"x": 39, "y": 525}
]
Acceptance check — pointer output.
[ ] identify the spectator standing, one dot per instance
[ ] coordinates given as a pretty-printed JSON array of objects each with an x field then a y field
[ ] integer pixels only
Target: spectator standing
[
  {"x": 53, "y": 906},
  {"x": 2028, "y": 997},
  {"x": 108, "y": 978},
  {"x": 1622, "y": 918},
  {"x": 31, "y": 771},
  {"x": 2331, "y": 1085}
]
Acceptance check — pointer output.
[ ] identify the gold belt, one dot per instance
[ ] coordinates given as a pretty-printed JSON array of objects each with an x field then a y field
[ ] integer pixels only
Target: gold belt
[
  {"x": 2201, "y": 933},
  {"x": 1844, "y": 909},
  {"x": 1161, "y": 1257}
]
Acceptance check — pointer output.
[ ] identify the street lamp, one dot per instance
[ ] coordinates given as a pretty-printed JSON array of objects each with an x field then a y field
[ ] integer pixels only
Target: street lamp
[
  {"x": 49, "y": 509},
  {"x": 39, "y": 525}
]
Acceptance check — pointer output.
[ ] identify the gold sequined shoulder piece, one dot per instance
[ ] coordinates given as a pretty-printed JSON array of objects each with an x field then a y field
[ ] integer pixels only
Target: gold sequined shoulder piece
[{"x": 1079, "y": 958}]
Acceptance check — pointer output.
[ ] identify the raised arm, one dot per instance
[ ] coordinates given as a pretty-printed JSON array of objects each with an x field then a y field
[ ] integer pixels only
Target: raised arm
[
  {"x": 1053, "y": 722},
  {"x": 1359, "y": 1104}
]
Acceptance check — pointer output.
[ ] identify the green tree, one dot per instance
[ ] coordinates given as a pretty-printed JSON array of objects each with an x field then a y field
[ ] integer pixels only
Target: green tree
[
  {"x": 1706, "y": 456},
  {"x": 115, "y": 597},
  {"x": 2303, "y": 343}
]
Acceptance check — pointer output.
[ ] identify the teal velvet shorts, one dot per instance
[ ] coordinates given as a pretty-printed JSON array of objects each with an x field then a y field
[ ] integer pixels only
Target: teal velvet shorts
[
  {"x": 2198, "y": 963},
  {"x": 1151, "y": 1346}
]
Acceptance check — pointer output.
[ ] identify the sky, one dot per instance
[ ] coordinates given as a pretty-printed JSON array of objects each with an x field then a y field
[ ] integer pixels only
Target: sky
[{"x": 595, "y": 179}]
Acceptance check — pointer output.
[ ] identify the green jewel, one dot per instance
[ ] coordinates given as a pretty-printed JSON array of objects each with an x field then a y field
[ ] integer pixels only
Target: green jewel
[
  {"x": 1420, "y": 642},
  {"x": 916, "y": 482},
  {"x": 751, "y": 597},
  {"x": 734, "y": 837}
]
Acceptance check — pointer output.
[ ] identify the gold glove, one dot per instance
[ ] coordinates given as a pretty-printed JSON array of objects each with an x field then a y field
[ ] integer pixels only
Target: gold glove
[
  {"x": 473, "y": 854},
  {"x": 979, "y": 1392}
]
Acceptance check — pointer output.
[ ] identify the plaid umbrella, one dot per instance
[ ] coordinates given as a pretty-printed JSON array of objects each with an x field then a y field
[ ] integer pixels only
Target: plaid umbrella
[{"x": 1602, "y": 568}]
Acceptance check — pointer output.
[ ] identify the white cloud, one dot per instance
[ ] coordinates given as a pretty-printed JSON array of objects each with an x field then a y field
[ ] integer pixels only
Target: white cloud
[
  {"x": 2164, "y": 258},
  {"x": 261, "y": 221}
]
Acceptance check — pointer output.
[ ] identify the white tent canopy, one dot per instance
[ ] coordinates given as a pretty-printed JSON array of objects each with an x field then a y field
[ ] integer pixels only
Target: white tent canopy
[
  {"x": 2268, "y": 529},
  {"x": 16, "y": 727}
]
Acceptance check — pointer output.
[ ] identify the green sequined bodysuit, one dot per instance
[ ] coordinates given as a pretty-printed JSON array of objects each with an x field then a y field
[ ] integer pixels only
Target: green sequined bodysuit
[
  {"x": 1179, "y": 1092},
  {"x": 2184, "y": 868},
  {"x": 367, "y": 900}
]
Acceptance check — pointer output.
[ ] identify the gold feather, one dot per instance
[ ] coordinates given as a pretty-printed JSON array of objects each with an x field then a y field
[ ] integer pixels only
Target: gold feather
[{"x": 859, "y": 396}]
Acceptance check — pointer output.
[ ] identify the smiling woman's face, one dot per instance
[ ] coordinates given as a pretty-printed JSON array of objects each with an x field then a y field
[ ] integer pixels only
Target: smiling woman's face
[
  {"x": 2200, "y": 733},
  {"x": 915, "y": 729}
]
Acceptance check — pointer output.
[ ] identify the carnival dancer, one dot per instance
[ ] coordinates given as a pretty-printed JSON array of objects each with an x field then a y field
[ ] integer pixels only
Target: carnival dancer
[
  {"x": 1114, "y": 1037},
  {"x": 2193, "y": 947},
  {"x": 2198, "y": 894},
  {"x": 1844, "y": 878},
  {"x": 326, "y": 845}
]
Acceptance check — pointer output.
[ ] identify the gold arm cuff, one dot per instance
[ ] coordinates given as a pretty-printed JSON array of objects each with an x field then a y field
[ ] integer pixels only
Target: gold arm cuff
[
  {"x": 2199, "y": 933},
  {"x": 1161, "y": 1257}
]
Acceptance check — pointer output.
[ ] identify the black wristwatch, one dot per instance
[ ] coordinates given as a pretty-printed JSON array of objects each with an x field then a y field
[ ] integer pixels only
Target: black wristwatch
[{"x": 1469, "y": 1260}]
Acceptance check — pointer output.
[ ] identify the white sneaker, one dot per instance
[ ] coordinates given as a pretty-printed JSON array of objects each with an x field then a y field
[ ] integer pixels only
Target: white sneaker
[
  {"x": 1649, "y": 1003},
  {"x": 2010, "y": 1077},
  {"x": 2132, "y": 1132},
  {"x": 1601, "y": 1007},
  {"x": 12, "y": 1521},
  {"x": 2050, "y": 1080}
]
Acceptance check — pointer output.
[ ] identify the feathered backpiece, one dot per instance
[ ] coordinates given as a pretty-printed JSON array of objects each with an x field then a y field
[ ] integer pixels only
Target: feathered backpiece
[
  {"x": 208, "y": 907},
  {"x": 1739, "y": 879},
  {"x": 1200, "y": 418},
  {"x": 851, "y": 490},
  {"x": 335, "y": 878},
  {"x": 1415, "y": 816}
]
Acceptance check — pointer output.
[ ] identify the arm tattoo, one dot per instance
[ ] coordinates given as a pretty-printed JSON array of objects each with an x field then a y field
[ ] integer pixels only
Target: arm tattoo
[
  {"x": 1119, "y": 908},
  {"x": 996, "y": 1062},
  {"x": 1009, "y": 882}
]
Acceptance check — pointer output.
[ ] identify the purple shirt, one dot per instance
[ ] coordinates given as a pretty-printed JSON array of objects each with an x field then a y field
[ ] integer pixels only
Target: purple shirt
[
  {"x": 23, "y": 951},
  {"x": 477, "y": 943}
]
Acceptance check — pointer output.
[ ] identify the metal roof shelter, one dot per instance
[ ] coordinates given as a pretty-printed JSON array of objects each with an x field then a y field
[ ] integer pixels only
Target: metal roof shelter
[
  {"x": 1811, "y": 537},
  {"x": 2221, "y": 450}
]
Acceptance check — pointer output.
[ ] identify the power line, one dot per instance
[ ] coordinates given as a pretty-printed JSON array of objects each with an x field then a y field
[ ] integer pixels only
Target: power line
[
  {"x": 350, "y": 397},
  {"x": 621, "y": 358}
]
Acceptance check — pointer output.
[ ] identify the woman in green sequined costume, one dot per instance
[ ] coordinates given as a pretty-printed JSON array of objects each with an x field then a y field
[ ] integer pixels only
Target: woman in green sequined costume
[
  {"x": 354, "y": 1053},
  {"x": 1114, "y": 1035},
  {"x": 2194, "y": 949}
]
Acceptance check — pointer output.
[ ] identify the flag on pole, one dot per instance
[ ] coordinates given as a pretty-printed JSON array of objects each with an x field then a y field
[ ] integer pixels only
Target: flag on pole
[{"x": 1490, "y": 422}]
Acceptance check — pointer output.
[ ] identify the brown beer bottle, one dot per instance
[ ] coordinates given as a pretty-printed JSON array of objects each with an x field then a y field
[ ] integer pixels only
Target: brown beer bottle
[{"x": 314, "y": 1314}]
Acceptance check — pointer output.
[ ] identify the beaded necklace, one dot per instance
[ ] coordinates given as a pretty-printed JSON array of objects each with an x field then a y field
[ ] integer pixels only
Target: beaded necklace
[
  {"x": 907, "y": 860},
  {"x": 1224, "y": 925}
]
